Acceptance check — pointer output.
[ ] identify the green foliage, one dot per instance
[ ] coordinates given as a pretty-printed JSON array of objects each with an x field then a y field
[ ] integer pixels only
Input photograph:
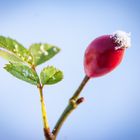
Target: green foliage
[
  {"x": 15, "y": 48},
  {"x": 23, "y": 72},
  {"x": 22, "y": 65},
  {"x": 50, "y": 75},
  {"x": 37, "y": 54},
  {"x": 9, "y": 56},
  {"x": 42, "y": 52}
]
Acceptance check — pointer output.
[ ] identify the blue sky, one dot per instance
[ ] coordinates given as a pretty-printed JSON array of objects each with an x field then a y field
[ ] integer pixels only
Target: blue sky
[{"x": 111, "y": 110}]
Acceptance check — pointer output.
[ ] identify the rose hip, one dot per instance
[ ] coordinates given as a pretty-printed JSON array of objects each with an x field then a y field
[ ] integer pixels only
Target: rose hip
[{"x": 105, "y": 53}]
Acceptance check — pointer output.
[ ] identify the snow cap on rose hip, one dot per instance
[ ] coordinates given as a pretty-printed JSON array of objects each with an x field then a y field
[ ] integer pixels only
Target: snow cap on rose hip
[{"x": 105, "y": 53}]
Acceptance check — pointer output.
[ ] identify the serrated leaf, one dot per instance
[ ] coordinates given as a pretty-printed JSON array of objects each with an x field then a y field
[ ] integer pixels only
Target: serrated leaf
[
  {"x": 58, "y": 76},
  {"x": 10, "y": 57},
  {"x": 42, "y": 52},
  {"x": 22, "y": 72},
  {"x": 50, "y": 75},
  {"x": 16, "y": 48}
]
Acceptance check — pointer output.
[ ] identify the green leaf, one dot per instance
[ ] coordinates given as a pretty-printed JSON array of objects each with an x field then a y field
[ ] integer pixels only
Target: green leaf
[
  {"x": 10, "y": 57},
  {"x": 23, "y": 72},
  {"x": 50, "y": 75},
  {"x": 42, "y": 52},
  {"x": 16, "y": 48}
]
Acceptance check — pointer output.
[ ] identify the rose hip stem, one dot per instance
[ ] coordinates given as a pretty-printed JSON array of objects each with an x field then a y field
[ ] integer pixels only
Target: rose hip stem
[
  {"x": 102, "y": 56},
  {"x": 74, "y": 101}
]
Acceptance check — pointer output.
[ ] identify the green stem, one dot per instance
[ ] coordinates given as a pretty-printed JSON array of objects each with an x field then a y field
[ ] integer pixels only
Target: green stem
[
  {"x": 43, "y": 109},
  {"x": 73, "y": 103},
  {"x": 47, "y": 132}
]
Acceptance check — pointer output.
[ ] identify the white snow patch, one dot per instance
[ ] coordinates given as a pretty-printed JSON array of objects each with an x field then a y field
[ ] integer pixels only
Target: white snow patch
[
  {"x": 54, "y": 49},
  {"x": 42, "y": 49},
  {"x": 122, "y": 38}
]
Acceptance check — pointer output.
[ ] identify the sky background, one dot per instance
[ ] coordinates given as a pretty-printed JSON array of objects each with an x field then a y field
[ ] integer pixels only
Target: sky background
[{"x": 112, "y": 107}]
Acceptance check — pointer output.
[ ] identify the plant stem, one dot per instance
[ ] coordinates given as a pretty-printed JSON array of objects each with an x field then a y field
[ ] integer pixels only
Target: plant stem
[
  {"x": 73, "y": 103},
  {"x": 47, "y": 132},
  {"x": 43, "y": 108}
]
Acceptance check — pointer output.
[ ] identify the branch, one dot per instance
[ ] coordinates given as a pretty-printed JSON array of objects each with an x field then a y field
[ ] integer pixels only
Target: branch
[{"x": 73, "y": 103}]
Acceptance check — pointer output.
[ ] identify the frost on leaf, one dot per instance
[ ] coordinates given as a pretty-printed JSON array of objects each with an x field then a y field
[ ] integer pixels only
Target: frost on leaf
[
  {"x": 42, "y": 52},
  {"x": 23, "y": 72},
  {"x": 15, "y": 48},
  {"x": 50, "y": 75}
]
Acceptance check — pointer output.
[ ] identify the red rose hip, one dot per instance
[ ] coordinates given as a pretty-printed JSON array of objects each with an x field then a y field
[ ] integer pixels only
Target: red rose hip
[{"x": 105, "y": 53}]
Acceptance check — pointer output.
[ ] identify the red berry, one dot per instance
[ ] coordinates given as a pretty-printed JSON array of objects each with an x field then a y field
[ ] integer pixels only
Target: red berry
[{"x": 105, "y": 53}]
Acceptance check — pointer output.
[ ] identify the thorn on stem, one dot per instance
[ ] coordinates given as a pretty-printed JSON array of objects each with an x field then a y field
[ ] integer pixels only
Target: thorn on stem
[{"x": 80, "y": 100}]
